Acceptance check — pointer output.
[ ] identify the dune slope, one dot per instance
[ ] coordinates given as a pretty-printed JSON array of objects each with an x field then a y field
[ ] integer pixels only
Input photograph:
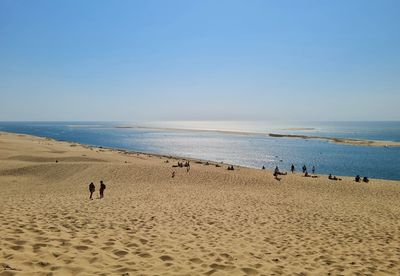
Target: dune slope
[{"x": 208, "y": 221}]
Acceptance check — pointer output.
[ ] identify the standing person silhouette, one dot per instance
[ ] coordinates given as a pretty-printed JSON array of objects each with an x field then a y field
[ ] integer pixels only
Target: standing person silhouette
[
  {"x": 92, "y": 188},
  {"x": 292, "y": 168},
  {"x": 102, "y": 188}
]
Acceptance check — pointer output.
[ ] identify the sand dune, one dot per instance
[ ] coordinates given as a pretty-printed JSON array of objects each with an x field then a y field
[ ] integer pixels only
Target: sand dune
[{"x": 209, "y": 221}]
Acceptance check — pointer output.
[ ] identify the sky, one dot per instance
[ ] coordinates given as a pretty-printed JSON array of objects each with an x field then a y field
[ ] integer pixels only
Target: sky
[{"x": 147, "y": 60}]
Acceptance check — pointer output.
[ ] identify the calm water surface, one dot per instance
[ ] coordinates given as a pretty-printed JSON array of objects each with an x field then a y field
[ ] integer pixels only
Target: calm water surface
[{"x": 252, "y": 150}]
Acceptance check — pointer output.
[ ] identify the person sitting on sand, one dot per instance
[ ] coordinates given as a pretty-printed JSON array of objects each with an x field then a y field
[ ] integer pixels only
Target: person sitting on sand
[
  {"x": 278, "y": 172},
  {"x": 333, "y": 178},
  {"x": 306, "y": 174},
  {"x": 276, "y": 176},
  {"x": 92, "y": 188},
  {"x": 102, "y": 188},
  {"x": 292, "y": 168},
  {"x": 358, "y": 178},
  {"x": 365, "y": 179}
]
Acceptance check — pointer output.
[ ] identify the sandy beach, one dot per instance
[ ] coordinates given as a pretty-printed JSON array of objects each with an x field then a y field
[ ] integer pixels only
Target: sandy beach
[{"x": 208, "y": 221}]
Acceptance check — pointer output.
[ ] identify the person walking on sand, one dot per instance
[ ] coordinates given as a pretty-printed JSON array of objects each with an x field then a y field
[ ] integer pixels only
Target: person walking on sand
[
  {"x": 102, "y": 188},
  {"x": 292, "y": 168},
  {"x": 92, "y": 188}
]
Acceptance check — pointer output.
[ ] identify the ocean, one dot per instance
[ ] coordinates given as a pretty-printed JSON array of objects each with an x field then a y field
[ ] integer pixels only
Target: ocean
[{"x": 243, "y": 143}]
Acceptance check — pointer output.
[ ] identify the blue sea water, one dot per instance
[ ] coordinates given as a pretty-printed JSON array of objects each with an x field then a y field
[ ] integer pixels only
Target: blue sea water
[{"x": 251, "y": 150}]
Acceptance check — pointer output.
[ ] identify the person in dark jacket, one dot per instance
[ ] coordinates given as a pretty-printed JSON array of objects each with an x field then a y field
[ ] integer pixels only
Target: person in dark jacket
[
  {"x": 102, "y": 188},
  {"x": 92, "y": 188}
]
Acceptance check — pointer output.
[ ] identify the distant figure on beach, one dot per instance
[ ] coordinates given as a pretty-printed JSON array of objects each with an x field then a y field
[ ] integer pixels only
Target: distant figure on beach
[
  {"x": 358, "y": 178},
  {"x": 304, "y": 168},
  {"x": 263, "y": 167},
  {"x": 292, "y": 168},
  {"x": 276, "y": 175},
  {"x": 365, "y": 179},
  {"x": 313, "y": 169},
  {"x": 306, "y": 174},
  {"x": 92, "y": 188},
  {"x": 278, "y": 172},
  {"x": 102, "y": 188},
  {"x": 333, "y": 177},
  {"x": 231, "y": 168},
  {"x": 173, "y": 174}
]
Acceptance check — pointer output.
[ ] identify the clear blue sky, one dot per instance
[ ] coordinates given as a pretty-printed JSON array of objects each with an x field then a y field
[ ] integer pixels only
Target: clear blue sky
[{"x": 199, "y": 60}]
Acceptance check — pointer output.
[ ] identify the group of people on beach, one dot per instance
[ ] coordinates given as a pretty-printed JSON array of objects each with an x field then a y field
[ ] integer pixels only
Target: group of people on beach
[
  {"x": 92, "y": 189},
  {"x": 292, "y": 169},
  {"x": 358, "y": 179},
  {"x": 306, "y": 174},
  {"x": 185, "y": 164},
  {"x": 330, "y": 177}
]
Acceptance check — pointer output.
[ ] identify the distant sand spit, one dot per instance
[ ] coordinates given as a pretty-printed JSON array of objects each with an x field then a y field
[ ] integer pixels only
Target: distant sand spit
[
  {"x": 348, "y": 141},
  {"x": 208, "y": 221},
  {"x": 354, "y": 142}
]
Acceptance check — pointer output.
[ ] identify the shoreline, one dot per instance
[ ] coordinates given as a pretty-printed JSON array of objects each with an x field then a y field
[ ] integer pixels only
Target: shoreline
[
  {"x": 125, "y": 151},
  {"x": 175, "y": 157}
]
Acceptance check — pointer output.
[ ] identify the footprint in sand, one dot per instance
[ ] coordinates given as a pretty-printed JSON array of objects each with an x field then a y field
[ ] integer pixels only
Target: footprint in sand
[
  {"x": 81, "y": 247},
  {"x": 196, "y": 260},
  {"x": 38, "y": 246},
  {"x": 17, "y": 247},
  {"x": 144, "y": 255},
  {"x": 143, "y": 241},
  {"x": 166, "y": 258},
  {"x": 216, "y": 266},
  {"x": 132, "y": 245},
  {"x": 250, "y": 271},
  {"x": 120, "y": 253},
  {"x": 20, "y": 242}
]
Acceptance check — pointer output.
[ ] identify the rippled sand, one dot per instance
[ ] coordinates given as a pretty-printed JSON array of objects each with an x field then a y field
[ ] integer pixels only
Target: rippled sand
[{"x": 209, "y": 221}]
